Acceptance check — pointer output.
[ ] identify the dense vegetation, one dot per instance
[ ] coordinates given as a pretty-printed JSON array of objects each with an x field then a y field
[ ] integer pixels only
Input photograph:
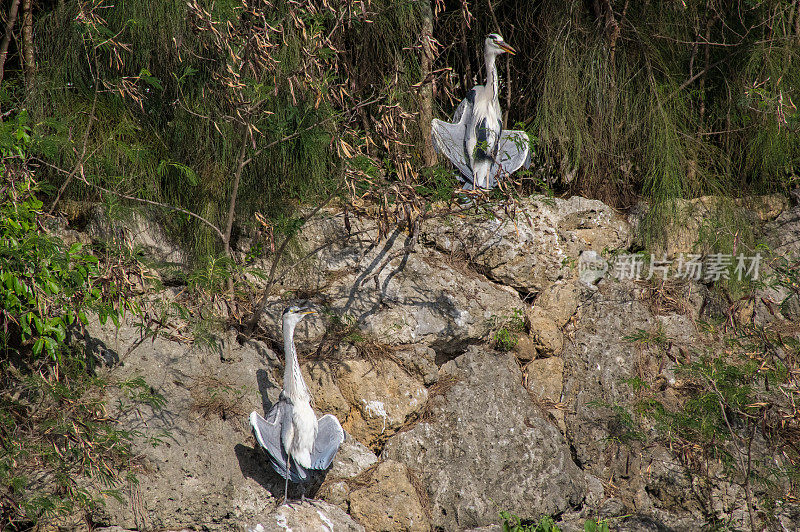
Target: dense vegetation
[
  {"x": 54, "y": 430},
  {"x": 222, "y": 117},
  {"x": 236, "y": 106}
]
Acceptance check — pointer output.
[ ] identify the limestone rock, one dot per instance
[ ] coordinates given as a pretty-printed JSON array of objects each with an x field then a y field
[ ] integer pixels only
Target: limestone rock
[
  {"x": 560, "y": 300},
  {"x": 207, "y": 472},
  {"x": 783, "y": 234},
  {"x": 389, "y": 502},
  {"x": 545, "y": 378},
  {"x": 306, "y": 516},
  {"x": 389, "y": 293},
  {"x": 532, "y": 249},
  {"x": 320, "y": 377},
  {"x": 591, "y": 267},
  {"x": 352, "y": 459},
  {"x": 421, "y": 360},
  {"x": 525, "y": 348},
  {"x": 547, "y": 337},
  {"x": 382, "y": 396},
  {"x": 139, "y": 229},
  {"x": 485, "y": 436},
  {"x": 599, "y": 361}
]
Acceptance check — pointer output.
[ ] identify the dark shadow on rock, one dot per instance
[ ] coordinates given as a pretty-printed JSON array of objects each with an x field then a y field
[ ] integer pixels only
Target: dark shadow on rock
[
  {"x": 97, "y": 352},
  {"x": 255, "y": 465},
  {"x": 642, "y": 523},
  {"x": 369, "y": 301}
]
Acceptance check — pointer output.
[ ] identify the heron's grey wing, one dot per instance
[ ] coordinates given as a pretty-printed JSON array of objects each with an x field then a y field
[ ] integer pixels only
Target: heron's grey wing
[
  {"x": 464, "y": 109},
  {"x": 329, "y": 437},
  {"x": 268, "y": 435},
  {"x": 448, "y": 139},
  {"x": 513, "y": 152}
]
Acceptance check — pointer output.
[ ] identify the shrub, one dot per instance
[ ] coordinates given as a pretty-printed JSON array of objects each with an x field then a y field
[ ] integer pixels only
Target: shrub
[{"x": 54, "y": 432}]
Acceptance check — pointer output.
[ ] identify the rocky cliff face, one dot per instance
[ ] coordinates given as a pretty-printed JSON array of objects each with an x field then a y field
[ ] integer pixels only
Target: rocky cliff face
[{"x": 445, "y": 430}]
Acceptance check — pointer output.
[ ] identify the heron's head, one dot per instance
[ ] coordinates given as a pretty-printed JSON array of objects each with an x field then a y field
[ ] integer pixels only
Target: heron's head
[
  {"x": 294, "y": 313},
  {"x": 496, "y": 45}
]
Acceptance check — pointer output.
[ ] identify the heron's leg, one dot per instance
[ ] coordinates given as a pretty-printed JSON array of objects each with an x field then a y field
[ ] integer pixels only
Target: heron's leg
[{"x": 286, "y": 483}]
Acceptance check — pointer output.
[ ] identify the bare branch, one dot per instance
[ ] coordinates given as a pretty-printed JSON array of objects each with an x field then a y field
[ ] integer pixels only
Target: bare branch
[{"x": 12, "y": 17}]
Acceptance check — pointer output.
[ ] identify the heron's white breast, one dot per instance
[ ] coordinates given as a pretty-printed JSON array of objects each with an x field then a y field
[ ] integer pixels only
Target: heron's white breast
[{"x": 304, "y": 422}]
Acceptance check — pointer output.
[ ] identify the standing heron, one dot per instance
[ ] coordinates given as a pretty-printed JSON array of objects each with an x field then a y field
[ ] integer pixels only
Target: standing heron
[
  {"x": 475, "y": 142},
  {"x": 292, "y": 436}
]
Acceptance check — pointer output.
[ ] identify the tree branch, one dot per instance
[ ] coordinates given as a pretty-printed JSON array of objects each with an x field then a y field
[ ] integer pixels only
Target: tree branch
[
  {"x": 12, "y": 18},
  {"x": 262, "y": 302}
]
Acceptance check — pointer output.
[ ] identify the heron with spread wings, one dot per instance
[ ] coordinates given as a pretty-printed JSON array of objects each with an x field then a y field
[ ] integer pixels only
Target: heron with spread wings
[
  {"x": 475, "y": 142},
  {"x": 295, "y": 441}
]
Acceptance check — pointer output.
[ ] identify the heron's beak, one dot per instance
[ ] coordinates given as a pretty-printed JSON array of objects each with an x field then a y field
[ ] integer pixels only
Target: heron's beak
[
  {"x": 309, "y": 311},
  {"x": 507, "y": 48}
]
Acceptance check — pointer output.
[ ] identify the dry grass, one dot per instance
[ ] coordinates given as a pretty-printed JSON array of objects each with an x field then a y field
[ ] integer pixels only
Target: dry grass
[
  {"x": 668, "y": 297},
  {"x": 215, "y": 397},
  {"x": 361, "y": 480},
  {"x": 422, "y": 493}
]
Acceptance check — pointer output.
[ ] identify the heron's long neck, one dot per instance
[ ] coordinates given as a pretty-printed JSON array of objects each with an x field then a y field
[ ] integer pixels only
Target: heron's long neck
[
  {"x": 492, "y": 83},
  {"x": 293, "y": 382}
]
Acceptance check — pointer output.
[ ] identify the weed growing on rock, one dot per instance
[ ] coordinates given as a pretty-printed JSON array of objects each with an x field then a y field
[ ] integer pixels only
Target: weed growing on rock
[
  {"x": 215, "y": 397},
  {"x": 506, "y": 330},
  {"x": 513, "y": 523},
  {"x": 736, "y": 417}
]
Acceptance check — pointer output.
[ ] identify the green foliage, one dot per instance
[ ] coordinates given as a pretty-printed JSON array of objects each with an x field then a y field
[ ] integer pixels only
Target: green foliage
[
  {"x": 437, "y": 183},
  {"x": 53, "y": 428},
  {"x": 513, "y": 523},
  {"x": 506, "y": 329},
  {"x": 651, "y": 110},
  {"x": 647, "y": 338},
  {"x": 736, "y": 403},
  {"x": 505, "y": 340},
  {"x": 665, "y": 101},
  {"x": 177, "y": 88},
  {"x": 624, "y": 426},
  {"x": 45, "y": 286}
]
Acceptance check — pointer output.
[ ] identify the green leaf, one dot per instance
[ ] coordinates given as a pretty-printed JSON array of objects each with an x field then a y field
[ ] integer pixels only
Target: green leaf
[
  {"x": 146, "y": 76},
  {"x": 39, "y": 325},
  {"x": 186, "y": 172},
  {"x": 53, "y": 287},
  {"x": 50, "y": 347},
  {"x": 188, "y": 72}
]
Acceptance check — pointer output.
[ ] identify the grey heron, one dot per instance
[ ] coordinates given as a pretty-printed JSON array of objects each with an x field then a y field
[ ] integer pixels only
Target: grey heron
[
  {"x": 475, "y": 142},
  {"x": 294, "y": 439}
]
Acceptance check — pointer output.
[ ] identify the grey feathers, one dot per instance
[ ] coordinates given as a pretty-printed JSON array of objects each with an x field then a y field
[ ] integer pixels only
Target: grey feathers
[
  {"x": 475, "y": 141},
  {"x": 267, "y": 432}
]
